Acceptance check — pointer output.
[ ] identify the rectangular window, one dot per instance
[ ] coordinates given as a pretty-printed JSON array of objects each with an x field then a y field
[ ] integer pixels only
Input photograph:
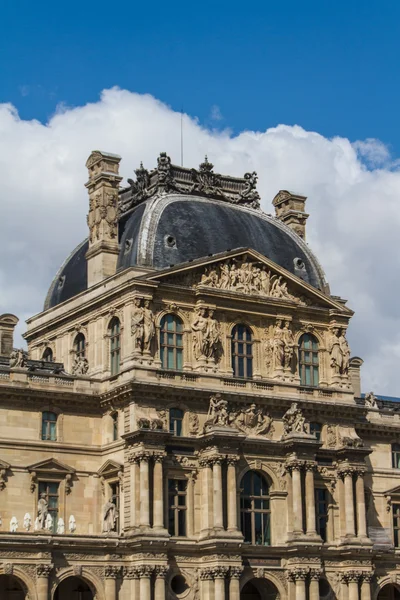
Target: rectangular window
[
  {"x": 396, "y": 456},
  {"x": 49, "y": 426},
  {"x": 177, "y": 509},
  {"x": 321, "y": 509},
  {"x": 50, "y": 490}
]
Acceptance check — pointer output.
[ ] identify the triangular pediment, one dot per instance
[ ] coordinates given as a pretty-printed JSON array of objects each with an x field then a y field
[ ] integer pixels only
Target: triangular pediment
[
  {"x": 51, "y": 465},
  {"x": 394, "y": 491},
  {"x": 109, "y": 468},
  {"x": 246, "y": 272}
]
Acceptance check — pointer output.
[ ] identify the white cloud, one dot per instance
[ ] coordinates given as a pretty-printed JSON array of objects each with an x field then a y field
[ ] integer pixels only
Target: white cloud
[{"x": 353, "y": 199}]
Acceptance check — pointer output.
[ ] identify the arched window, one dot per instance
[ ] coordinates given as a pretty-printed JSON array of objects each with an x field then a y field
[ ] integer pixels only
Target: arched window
[
  {"x": 48, "y": 355},
  {"x": 396, "y": 456},
  {"x": 114, "y": 417},
  {"x": 171, "y": 342},
  {"x": 175, "y": 421},
  {"x": 80, "y": 346},
  {"x": 242, "y": 351},
  {"x": 115, "y": 345},
  {"x": 255, "y": 512},
  {"x": 308, "y": 360},
  {"x": 49, "y": 426}
]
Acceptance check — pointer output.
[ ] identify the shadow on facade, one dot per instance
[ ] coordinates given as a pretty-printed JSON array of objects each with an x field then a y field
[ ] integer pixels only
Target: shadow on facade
[
  {"x": 73, "y": 588},
  {"x": 259, "y": 589}
]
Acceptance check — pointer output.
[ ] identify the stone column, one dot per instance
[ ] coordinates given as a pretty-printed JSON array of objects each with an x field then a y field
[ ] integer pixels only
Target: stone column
[
  {"x": 207, "y": 584},
  {"x": 159, "y": 585},
  {"x": 232, "y": 494},
  {"x": 366, "y": 586},
  {"x": 217, "y": 481},
  {"x": 145, "y": 573},
  {"x": 133, "y": 491},
  {"x": 158, "y": 492},
  {"x": 360, "y": 503},
  {"x": 344, "y": 590},
  {"x": 190, "y": 508},
  {"x": 234, "y": 583},
  {"x": 349, "y": 501},
  {"x": 111, "y": 574},
  {"x": 43, "y": 573},
  {"x": 310, "y": 499},
  {"x": 295, "y": 468},
  {"x": 144, "y": 490},
  {"x": 352, "y": 578},
  {"x": 315, "y": 574},
  {"x": 132, "y": 574},
  {"x": 299, "y": 576},
  {"x": 219, "y": 577},
  {"x": 206, "y": 477}
]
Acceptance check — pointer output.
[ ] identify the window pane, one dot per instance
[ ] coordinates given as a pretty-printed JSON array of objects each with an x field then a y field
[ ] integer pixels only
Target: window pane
[
  {"x": 249, "y": 368},
  {"x": 246, "y": 527},
  {"x": 182, "y": 522},
  {"x": 179, "y": 359},
  {"x": 170, "y": 358}
]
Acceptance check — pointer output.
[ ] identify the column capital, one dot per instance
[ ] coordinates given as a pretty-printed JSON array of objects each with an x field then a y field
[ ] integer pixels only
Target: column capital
[
  {"x": 131, "y": 573},
  {"x": 298, "y": 574},
  {"x": 315, "y": 574},
  {"x": 353, "y": 576},
  {"x": 133, "y": 457},
  {"x": 367, "y": 577},
  {"x": 345, "y": 471},
  {"x": 294, "y": 465},
  {"x": 112, "y": 571},
  {"x": 206, "y": 574},
  {"x": 310, "y": 465},
  {"x": 44, "y": 570},
  {"x": 232, "y": 459},
  {"x": 359, "y": 471},
  {"x": 145, "y": 570},
  {"x": 159, "y": 456},
  {"x": 220, "y": 572},
  {"x": 235, "y": 572},
  {"x": 161, "y": 571}
]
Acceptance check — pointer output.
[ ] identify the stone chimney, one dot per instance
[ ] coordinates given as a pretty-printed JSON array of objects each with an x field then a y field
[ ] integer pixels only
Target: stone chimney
[
  {"x": 102, "y": 219},
  {"x": 289, "y": 208},
  {"x": 355, "y": 376},
  {"x": 7, "y": 326}
]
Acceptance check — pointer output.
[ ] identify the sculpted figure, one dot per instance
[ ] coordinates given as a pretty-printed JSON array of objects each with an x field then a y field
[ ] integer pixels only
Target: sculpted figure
[
  {"x": 234, "y": 277},
  {"x": 137, "y": 325},
  {"x": 218, "y": 411},
  {"x": 209, "y": 277},
  {"x": 335, "y": 351},
  {"x": 13, "y": 525},
  {"x": 49, "y": 522},
  {"x": 345, "y": 350},
  {"x": 60, "y": 526},
  {"x": 370, "y": 400},
  {"x": 293, "y": 420},
  {"x": 149, "y": 326},
  {"x": 109, "y": 516},
  {"x": 27, "y": 522},
  {"x": 265, "y": 280},
  {"x": 200, "y": 326},
  {"x": 224, "y": 281},
  {"x": 42, "y": 511},
  {"x": 289, "y": 345},
  {"x": 18, "y": 358},
  {"x": 278, "y": 345},
  {"x": 213, "y": 336},
  {"x": 72, "y": 524},
  {"x": 80, "y": 366}
]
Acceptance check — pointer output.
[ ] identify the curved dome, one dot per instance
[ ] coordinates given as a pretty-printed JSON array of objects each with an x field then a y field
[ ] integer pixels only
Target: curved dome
[{"x": 173, "y": 228}]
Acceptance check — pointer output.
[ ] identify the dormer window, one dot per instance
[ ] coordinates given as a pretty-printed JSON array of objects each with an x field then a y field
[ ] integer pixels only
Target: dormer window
[{"x": 48, "y": 355}]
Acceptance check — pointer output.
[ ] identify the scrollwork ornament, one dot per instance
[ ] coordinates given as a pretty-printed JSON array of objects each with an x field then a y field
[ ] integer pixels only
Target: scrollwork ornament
[
  {"x": 44, "y": 570},
  {"x": 112, "y": 571}
]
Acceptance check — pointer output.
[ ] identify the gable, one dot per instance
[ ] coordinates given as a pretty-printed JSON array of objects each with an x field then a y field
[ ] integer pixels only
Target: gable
[
  {"x": 109, "y": 468},
  {"x": 51, "y": 465},
  {"x": 245, "y": 272}
]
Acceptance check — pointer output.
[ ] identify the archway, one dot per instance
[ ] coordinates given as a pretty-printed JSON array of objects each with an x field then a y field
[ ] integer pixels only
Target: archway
[
  {"x": 259, "y": 589},
  {"x": 11, "y": 588},
  {"x": 73, "y": 588},
  {"x": 389, "y": 592}
]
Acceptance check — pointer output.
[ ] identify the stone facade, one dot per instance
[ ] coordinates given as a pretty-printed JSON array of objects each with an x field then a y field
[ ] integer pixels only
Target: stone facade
[{"x": 212, "y": 442}]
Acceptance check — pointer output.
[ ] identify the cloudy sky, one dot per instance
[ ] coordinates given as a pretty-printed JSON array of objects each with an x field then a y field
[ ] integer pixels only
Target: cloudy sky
[
  {"x": 306, "y": 94},
  {"x": 353, "y": 191}
]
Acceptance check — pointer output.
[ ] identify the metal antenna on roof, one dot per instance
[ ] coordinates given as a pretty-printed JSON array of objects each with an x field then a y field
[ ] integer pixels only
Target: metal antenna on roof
[{"x": 182, "y": 137}]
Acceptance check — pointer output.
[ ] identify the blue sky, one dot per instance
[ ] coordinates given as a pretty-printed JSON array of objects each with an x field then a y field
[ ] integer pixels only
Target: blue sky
[{"x": 331, "y": 67}]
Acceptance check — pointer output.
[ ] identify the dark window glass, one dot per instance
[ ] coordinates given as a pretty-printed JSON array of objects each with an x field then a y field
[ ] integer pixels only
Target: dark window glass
[
  {"x": 255, "y": 510},
  {"x": 49, "y": 426},
  {"x": 177, "y": 507},
  {"x": 48, "y": 355},
  {"x": 115, "y": 345},
  {"x": 79, "y": 346},
  {"x": 315, "y": 429},
  {"x": 242, "y": 352},
  {"x": 321, "y": 509},
  {"x": 308, "y": 360},
  {"x": 171, "y": 342},
  {"x": 50, "y": 489},
  {"x": 396, "y": 456},
  {"x": 114, "y": 417},
  {"x": 175, "y": 421}
]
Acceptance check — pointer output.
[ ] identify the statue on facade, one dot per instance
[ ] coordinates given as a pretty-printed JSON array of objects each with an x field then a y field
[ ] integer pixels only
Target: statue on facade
[
  {"x": 370, "y": 400},
  {"x": 27, "y": 522},
  {"x": 109, "y": 516},
  {"x": 253, "y": 420},
  {"x": 345, "y": 350},
  {"x": 289, "y": 345},
  {"x": 339, "y": 351},
  {"x": 293, "y": 420},
  {"x": 278, "y": 345},
  {"x": 60, "y": 526},
  {"x": 137, "y": 325},
  {"x": 72, "y": 524},
  {"x": 49, "y": 522},
  {"x": 149, "y": 326},
  {"x": 200, "y": 338},
  {"x": 218, "y": 411},
  {"x": 13, "y": 525},
  {"x": 18, "y": 358},
  {"x": 80, "y": 366},
  {"x": 42, "y": 511},
  {"x": 213, "y": 337}
]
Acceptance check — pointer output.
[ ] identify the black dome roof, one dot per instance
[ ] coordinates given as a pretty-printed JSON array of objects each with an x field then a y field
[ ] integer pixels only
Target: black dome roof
[{"x": 170, "y": 229}]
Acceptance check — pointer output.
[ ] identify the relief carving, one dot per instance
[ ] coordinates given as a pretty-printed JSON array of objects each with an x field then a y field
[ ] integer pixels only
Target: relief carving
[
  {"x": 80, "y": 365},
  {"x": 294, "y": 421},
  {"x": 253, "y": 421}
]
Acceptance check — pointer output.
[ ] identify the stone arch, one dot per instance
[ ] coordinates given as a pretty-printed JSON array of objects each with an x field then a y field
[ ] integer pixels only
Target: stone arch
[
  {"x": 390, "y": 579},
  {"x": 260, "y": 575},
  {"x": 87, "y": 575},
  {"x": 263, "y": 468},
  {"x": 241, "y": 320},
  {"x": 26, "y": 582}
]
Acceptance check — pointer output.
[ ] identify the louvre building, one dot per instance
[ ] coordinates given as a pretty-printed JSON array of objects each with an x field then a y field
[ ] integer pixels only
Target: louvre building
[{"x": 187, "y": 422}]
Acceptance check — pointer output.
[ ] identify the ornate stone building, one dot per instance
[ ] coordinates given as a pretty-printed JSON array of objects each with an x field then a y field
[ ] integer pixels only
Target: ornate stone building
[{"x": 187, "y": 422}]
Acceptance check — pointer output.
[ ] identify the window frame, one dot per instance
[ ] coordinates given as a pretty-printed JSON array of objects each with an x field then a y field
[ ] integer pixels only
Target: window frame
[
  {"x": 253, "y": 510},
  {"x": 44, "y": 437},
  {"x": 175, "y": 508},
  {"x": 114, "y": 333},
  {"x": 177, "y": 345},
  {"x": 304, "y": 364},
  {"x": 176, "y": 422},
  {"x": 48, "y": 352},
  {"x": 316, "y": 429},
  {"x": 395, "y": 450},
  {"x": 51, "y": 510},
  {"x": 246, "y": 356},
  {"x": 321, "y": 516}
]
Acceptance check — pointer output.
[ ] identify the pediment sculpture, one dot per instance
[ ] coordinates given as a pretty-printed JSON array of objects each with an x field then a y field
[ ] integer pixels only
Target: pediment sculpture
[
  {"x": 294, "y": 422},
  {"x": 252, "y": 420}
]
